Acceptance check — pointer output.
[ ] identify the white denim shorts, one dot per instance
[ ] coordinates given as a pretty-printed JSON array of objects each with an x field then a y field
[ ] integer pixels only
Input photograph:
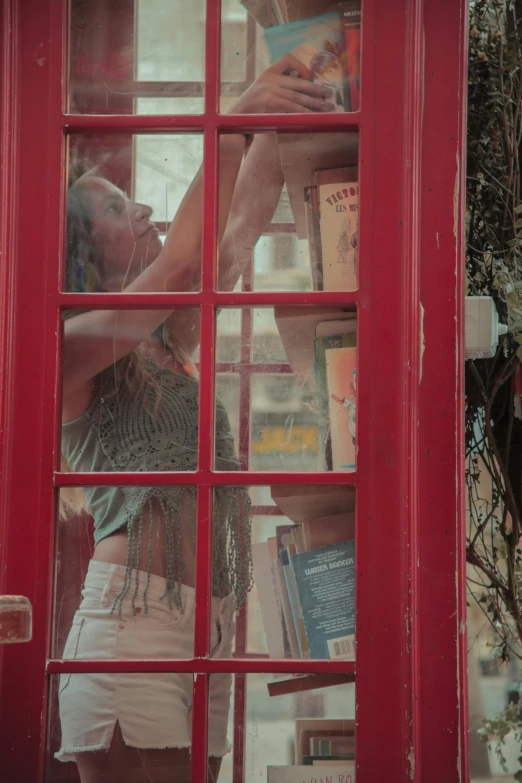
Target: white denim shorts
[{"x": 153, "y": 710}]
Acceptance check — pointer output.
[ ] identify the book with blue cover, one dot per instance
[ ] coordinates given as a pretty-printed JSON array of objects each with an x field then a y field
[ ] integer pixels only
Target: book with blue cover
[
  {"x": 319, "y": 43},
  {"x": 325, "y": 580}
]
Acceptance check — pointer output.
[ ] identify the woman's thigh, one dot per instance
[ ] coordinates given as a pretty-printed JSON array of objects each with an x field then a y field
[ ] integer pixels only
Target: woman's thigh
[{"x": 124, "y": 764}]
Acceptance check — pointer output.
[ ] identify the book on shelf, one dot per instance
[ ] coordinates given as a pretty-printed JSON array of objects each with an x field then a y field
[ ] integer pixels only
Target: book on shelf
[
  {"x": 319, "y": 43},
  {"x": 351, "y": 22},
  {"x": 341, "y": 383},
  {"x": 303, "y": 154},
  {"x": 313, "y": 230},
  {"x": 329, "y": 335},
  {"x": 269, "y": 600},
  {"x": 298, "y": 683},
  {"x": 338, "y": 206},
  {"x": 277, "y": 544},
  {"x": 325, "y": 579},
  {"x": 305, "y": 584},
  {"x": 295, "y": 609},
  {"x": 322, "y": 761},
  {"x": 332, "y": 729},
  {"x": 330, "y": 773},
  {"x": 297, "y": 330}
]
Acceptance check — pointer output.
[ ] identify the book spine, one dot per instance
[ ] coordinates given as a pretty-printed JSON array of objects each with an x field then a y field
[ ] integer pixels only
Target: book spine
[
  {"x": 321, "y": 344},
  {"x": 271, "y": 614},
  {"x": 351, "y": 17},
  {"x": 311, "y": 208},
  {"x": 341, "y": 383},
  {"x": 294, "y": 651},
  {"x": 292, "y": 599},
  {"x": 301, "y": 633}
]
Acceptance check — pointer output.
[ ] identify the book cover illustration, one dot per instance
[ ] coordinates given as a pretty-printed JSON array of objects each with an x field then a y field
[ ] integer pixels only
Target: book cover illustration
[
  {"x": 319, "y": 43},
  {"x": 338, "y": 221},
  {"x": 325, "y": 580},
  {"x": 342, "y": 335},
  {"x": 341, "y": 381}
]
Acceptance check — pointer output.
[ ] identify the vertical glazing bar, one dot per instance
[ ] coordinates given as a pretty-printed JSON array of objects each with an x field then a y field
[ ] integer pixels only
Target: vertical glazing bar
[
  {"x": 245, "y": 399},
  {"x": 206, "y": 392},
  {"x": 238, "y": 763},
  {"x": 199, "y": 729},
  {"x": 212, "y": 56},
  {"x": 201, "y": 633},
  {"x": 382, "y": 667}
]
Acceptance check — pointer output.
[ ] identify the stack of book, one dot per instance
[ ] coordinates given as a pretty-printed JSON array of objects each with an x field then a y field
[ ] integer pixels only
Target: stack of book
[
  {"x": 305, "y": 577},
  {"x": 325, "y": 743}
]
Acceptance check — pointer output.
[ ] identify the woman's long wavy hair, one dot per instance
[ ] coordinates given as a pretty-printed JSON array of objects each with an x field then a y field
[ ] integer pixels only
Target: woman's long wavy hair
[{"x": 84, "y": 274}]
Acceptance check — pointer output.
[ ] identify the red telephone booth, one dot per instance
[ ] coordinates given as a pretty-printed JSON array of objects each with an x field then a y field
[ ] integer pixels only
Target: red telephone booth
[{"x": 140, "y": 90}]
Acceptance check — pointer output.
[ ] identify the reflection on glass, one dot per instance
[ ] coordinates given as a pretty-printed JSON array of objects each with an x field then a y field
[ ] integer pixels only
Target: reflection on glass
[
  {"x": 311, "y": 723},
  {"x": 123, "y": 192},
  {"x": 300, "y": 232},
  {"x": 300, "y": 552},
  {"x": 321, "y": 42},
  {"x": 124, "y": 589},
  {"x": 123, "y": 52},
  {"x": 295, "y": 396},
  {"x": 125, "y": 562}
]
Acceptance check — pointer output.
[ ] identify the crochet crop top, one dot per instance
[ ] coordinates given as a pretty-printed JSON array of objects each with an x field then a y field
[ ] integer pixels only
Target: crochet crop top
[{"x": 158, "y": 430}]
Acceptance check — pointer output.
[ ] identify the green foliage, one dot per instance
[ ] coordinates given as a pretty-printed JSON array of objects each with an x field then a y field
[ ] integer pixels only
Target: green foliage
[{"x": 494, "y": 268}]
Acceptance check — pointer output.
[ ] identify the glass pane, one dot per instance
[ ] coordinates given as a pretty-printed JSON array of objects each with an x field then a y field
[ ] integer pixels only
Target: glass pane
[
  {"x": 295, "y": 404},
  {"x": 124, "y": 51},
  {"x": 323, "y": 40},
  {"x": 291, "y": 567},
  {"x": 125, "y": 568},
  {"x": 134, "y": 720},
  {"x": 293, "y": 215},
  {"x": 311, "y": 725},
  {"x": 130, "y": 397},
  {"x": 123, "y": 205}
]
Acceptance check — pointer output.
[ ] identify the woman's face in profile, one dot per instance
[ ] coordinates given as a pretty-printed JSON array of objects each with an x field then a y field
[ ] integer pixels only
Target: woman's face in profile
[{"x": 122, "y": 229}]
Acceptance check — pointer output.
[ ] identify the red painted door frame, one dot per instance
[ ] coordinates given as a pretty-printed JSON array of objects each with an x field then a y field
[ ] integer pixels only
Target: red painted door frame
[{"x": 411, "y": 677}]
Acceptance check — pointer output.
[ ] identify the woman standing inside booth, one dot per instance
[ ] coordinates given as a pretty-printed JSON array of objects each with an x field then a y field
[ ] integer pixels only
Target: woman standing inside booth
[{"x": 130, "y": 402}]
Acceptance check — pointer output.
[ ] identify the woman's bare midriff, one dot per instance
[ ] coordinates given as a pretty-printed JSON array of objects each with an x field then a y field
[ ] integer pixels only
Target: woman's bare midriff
[{"x": 113, "y": 549}]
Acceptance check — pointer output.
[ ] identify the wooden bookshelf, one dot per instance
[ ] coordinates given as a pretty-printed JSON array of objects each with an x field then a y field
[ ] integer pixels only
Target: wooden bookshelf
[{"x": 308, "y": 682}]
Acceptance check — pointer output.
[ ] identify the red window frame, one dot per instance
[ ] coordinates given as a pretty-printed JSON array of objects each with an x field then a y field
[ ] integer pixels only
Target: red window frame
[{"x": 411, "y": 653}]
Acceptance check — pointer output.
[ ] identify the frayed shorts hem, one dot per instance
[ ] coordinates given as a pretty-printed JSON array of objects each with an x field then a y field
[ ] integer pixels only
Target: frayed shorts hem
[{"x": 69, "y": 754}]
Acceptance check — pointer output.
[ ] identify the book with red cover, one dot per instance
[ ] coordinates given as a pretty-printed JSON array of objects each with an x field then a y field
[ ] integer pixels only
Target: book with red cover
[{"x": 351, "y": 20}]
